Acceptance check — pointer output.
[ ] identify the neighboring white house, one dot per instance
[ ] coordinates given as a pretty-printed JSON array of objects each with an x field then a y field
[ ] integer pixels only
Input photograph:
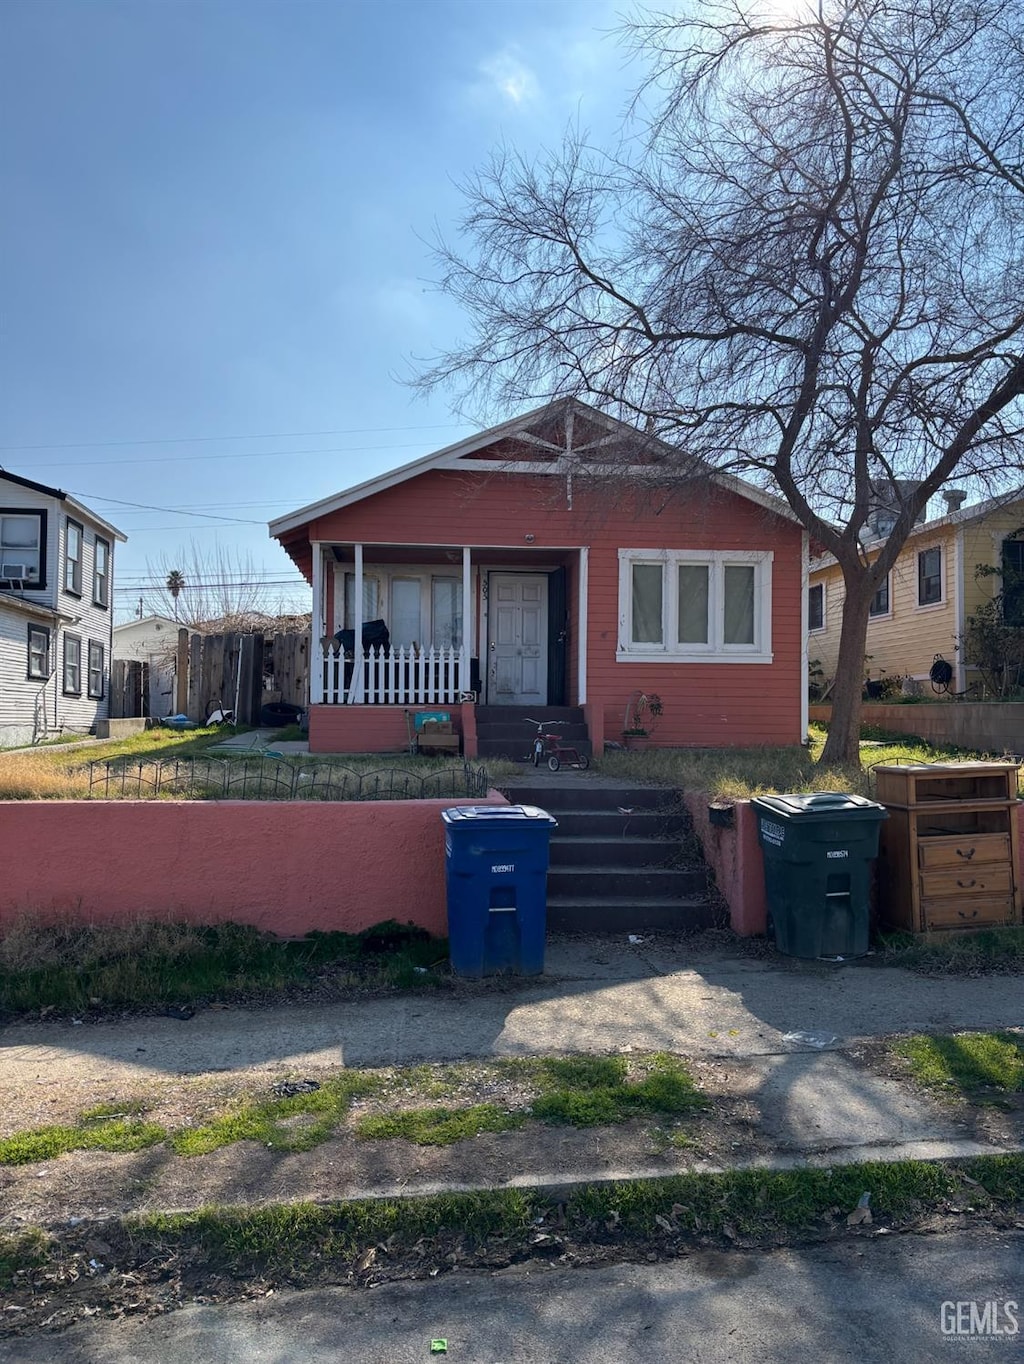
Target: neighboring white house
[
  {"x": 56, "y": 612},
  {"x": 153, "y": 640}
]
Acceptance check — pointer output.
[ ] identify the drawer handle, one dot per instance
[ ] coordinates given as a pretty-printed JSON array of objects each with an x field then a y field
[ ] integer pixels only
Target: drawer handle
[
  {"x": 973, "y": 914},
  {"x": 966, "y": 885},
  {"x": 966, "y": 855}
]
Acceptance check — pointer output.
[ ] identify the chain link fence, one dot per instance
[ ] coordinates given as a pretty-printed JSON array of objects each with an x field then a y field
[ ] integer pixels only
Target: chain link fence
[{"x": 277, "y": 779}]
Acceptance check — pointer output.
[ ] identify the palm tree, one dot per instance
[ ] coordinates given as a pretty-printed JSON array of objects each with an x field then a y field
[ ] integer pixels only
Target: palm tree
[{"x": 175, "y": 583}]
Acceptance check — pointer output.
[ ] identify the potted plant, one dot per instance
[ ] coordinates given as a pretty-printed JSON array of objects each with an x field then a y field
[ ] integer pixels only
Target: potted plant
[{"x": 642, "y": 712}]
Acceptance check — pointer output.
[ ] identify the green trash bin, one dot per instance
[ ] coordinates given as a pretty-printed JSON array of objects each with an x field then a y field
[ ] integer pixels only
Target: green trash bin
[{"x": 818, "y": 851}]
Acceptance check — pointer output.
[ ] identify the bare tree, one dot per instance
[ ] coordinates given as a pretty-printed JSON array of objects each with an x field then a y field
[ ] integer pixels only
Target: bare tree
[
  {"x": 217, "y": 586},
  {"x": 806, "y": 268}
]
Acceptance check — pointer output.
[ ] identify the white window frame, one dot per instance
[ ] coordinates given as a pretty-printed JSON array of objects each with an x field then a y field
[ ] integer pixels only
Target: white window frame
[
  {"x": 73, "y": 561},
  {"x": 101, "y": 576},
  {"x": 817, "y": 629},
  {"x": 887, "y": 614},
  {"x": 941, "y": 601},
  {"x": 716, "y": 650}
]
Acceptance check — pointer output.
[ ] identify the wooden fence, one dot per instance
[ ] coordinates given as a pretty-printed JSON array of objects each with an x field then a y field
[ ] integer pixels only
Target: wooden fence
[{"x": 231, "y": 672}]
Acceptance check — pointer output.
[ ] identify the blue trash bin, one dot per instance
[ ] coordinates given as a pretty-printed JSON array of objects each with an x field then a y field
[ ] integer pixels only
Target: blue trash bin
[{"x": 496, "y": 868}]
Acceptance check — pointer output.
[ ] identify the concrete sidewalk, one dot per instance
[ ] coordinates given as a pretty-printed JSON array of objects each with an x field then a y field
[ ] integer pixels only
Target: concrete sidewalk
[
  {"x": 787, "y": 1036},
  {"x": 597, "y": 995}
]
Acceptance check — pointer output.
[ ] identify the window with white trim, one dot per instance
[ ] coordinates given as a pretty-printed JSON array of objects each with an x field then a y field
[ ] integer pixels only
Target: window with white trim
[
  {"x": 816, "y": 606},
  {"x": 96, "y": 669},
  {"x": 72, "y": 665},
  {"x": 74, "y": 536},
  {"x": 879, "y": 605},
  {"x": 695, "y": 605},
  {"x": 929, "y": 576},
  {"x": 38, "y": 651},
  {"x": 101, "y": 574}
]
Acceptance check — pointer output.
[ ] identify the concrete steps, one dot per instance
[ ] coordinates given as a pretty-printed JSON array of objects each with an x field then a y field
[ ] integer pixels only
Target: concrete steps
[{"x": 621, "y": 859}]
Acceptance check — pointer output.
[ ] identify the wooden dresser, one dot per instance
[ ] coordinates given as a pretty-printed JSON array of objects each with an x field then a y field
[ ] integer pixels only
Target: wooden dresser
[{"x": 948, "y": 855}]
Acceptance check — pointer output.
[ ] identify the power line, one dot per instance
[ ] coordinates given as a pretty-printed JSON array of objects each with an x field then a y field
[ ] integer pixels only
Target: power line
[
  {"x": 266, "y": 435},
  {"x": 207, "y": 516},
  {"x": 205, "y": 459}
]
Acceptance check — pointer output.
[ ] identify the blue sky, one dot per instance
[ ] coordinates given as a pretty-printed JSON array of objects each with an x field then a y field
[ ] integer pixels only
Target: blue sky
[{"x": 216, "y": 216}]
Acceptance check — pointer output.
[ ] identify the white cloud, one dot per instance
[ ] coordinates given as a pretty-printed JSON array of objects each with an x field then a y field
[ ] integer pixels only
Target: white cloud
[{"x": 511, "y": 78}]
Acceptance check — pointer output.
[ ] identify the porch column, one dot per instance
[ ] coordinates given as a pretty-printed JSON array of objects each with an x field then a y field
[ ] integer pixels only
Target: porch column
[
  {"x": 581, "y": 628},
  {"x": 316, "y": 672},
  {"x": 468, "y": 605},
  {"x": 356, "y": 688}
]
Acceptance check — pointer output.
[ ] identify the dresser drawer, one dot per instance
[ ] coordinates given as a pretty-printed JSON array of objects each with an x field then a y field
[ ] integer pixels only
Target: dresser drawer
[
  {"x": 965, "y": 850},
  {"x": 974, "y": 879},
  {"x": 965, "y": 912}
]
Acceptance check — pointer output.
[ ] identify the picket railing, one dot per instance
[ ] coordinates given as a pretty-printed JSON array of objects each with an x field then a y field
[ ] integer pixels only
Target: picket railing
[{"x": 392, "y": 677}]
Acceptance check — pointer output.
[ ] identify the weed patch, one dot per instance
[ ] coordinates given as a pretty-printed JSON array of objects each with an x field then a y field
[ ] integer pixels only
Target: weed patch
[
  {"x": 73, "y": 967},
  {"x": 21, "y": 1251},
  {"x": 973, "y": 1064},
  {"x": 993, "y": 950},
  {"x": 295, "y": 1123},
  {"x": 109, "y": 1134},
  {"x": 439, "y": 1126}
]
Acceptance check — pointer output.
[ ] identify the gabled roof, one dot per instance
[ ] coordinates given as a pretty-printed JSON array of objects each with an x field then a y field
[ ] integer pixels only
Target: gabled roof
[
  {"x": 463, "y": 451},
  {"x": 963, "y": 516},
  {"x": 61, "y": 496},
  {"x": 145, "y": 620}
]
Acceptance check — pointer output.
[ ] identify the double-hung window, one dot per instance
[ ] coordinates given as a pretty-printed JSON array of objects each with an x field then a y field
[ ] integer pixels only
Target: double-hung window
[
  {"x": 74, "y": 537},
  {"x": 695, "y": 606},
  {"x": 95, "y": 669},
  {"x": 816, "y": 606},
  {"x": 101, "y": 574},
  {"x": 38, "y": 652},
  {"x": 72, "y": 665},
  {"x": 879, "y": 605},
  {"x": 929, "y": 576}
]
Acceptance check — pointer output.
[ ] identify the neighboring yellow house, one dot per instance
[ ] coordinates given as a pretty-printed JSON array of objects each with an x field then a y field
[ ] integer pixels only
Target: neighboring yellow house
[{"x": 930, "y": 592}]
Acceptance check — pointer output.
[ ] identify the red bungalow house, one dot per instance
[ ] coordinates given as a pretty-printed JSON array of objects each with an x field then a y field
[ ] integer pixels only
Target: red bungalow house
[{"x": 520, "y": 569}]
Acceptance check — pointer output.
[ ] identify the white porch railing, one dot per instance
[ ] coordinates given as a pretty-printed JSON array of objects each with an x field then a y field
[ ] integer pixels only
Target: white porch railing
[{"x": 392, "y": 677}]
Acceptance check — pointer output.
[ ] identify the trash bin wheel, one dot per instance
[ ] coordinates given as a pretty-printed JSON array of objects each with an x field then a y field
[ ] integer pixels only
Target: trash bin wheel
[{"x": 553, "y": 762}]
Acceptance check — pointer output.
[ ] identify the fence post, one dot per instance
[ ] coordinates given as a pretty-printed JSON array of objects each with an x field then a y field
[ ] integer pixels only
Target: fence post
[{"x": 181, "y": 674}]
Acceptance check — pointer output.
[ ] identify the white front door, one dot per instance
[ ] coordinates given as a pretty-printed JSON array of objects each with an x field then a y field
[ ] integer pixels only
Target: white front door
[{"x": 517, "y": 646}]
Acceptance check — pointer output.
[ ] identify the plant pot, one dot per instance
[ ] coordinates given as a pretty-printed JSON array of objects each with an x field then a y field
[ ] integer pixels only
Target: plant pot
[{"x": 636, "y": 743}]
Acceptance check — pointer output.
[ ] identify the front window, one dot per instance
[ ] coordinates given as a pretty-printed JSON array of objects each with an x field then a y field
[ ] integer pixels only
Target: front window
[
  {"x": 21, "y": 549},
  {"x": 816, "y": 607},
  {"x": 371, "y": 598},
  {"x": 72, "y": 665},
  {"x": 101, "y": 574},
  {"x": 446, "y": 613},
  {"x": 95, "y": 669},
  {"x": 699, "y": 606},
  {"x": 38, "y": 651},
  {"x": 929, "y": 576},
  {"x": 73, "y": 536},
  {"x": 880, "y": 601}
]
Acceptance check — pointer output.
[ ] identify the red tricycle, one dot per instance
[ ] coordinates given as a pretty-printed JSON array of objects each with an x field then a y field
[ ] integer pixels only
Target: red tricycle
[{"x": 547, "y": 747}]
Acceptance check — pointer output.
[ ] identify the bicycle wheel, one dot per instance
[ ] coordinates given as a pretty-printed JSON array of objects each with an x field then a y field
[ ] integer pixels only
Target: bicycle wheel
[
  {"x": 584, "y": 762},
  {"x": 553, "y": 762}
]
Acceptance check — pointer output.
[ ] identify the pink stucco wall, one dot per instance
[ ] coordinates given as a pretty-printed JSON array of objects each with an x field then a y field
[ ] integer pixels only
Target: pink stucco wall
[
  {"x": 288, "y": 867},
  {"x": 735, "y": 857}
]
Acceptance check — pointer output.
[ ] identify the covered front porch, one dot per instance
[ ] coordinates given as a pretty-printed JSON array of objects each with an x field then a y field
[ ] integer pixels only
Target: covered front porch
[{"x": 402, "y": 627}]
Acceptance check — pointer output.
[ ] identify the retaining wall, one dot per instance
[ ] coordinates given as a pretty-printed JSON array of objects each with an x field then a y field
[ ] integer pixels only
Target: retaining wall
[
  {"x": 735, "y": 857},
  {"x": 990, "y": 726},
  {"x": 285, "y": 866}
]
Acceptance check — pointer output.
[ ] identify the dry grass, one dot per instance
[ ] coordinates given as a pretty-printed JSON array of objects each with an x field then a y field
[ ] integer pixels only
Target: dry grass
[
  {"x": 31, "y": 776},
  {"x": 738, "y": 773}
]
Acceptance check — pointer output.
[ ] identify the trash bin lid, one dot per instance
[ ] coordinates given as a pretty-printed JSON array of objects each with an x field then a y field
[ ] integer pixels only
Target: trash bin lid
[
  {"x": 499, "y": 814},
  {"x": 817, "y": 805}
]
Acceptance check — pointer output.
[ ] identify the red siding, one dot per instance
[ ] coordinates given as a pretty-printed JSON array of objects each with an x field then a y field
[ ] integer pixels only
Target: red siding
[{"x": 704, "y": 703}]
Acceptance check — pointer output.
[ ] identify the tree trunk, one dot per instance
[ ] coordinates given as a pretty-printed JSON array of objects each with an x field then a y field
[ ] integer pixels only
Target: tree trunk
[{"x": 842, "y": 744}]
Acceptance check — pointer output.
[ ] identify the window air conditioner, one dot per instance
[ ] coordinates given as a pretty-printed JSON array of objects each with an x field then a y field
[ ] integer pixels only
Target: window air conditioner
[{"x": 17, "y": 572}]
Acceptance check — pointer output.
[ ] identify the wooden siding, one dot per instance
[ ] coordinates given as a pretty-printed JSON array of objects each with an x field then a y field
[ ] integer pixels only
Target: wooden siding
[
  {"x": 24, "y": 717},
  {"x": 905, "y": 643},
  {"x": 704, "y": 703}
]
